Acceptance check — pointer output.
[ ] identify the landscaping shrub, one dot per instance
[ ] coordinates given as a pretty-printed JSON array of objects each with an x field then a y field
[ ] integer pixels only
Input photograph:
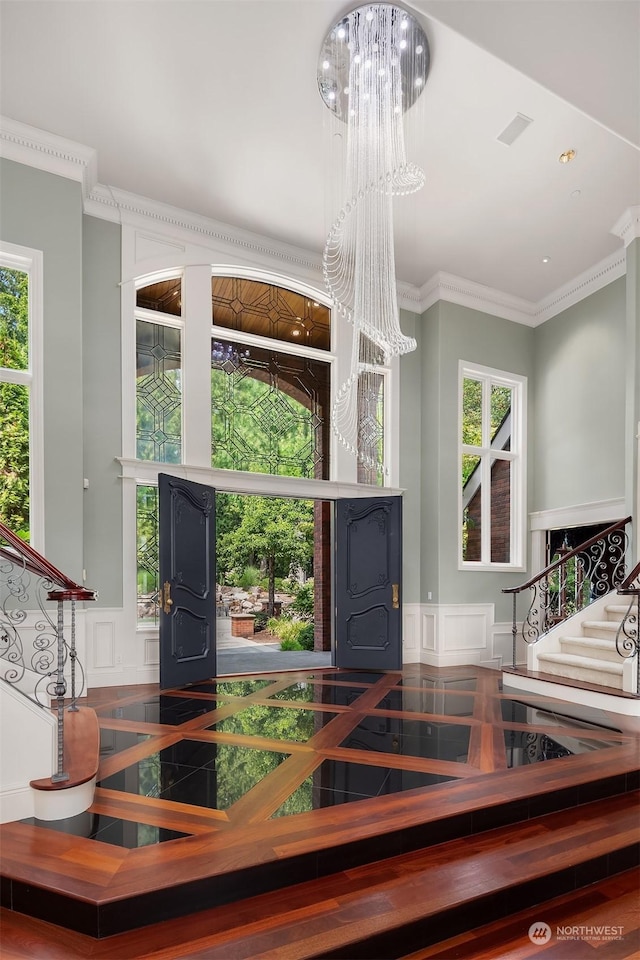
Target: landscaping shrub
[
  {"x": 290, "y": 644},
  {"x": 260, "y": 622},
  {"x": 303, "y": 602},
  {"x": 293, "y": 634},
  {"x": 250, "y": 577}
]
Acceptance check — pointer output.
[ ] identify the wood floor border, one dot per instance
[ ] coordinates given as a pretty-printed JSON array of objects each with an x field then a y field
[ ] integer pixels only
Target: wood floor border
[{"x": 101, "y": 889}]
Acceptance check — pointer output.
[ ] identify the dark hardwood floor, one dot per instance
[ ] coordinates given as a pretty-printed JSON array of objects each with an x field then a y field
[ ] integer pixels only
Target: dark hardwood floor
[{"x": 257, "y": 816}]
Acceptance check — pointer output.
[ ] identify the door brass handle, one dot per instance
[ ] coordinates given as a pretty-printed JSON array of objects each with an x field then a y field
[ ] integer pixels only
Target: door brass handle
[
  {"x": 395, "y": 596},
  {"x": 167, "y": 602}
]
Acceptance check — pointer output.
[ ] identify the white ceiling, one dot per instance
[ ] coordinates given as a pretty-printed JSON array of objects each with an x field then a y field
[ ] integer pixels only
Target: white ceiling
[{"x": 213, "y": 106}]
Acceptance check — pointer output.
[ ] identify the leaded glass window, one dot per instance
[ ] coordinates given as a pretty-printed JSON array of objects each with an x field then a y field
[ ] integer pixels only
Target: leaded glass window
[
  {"x": 158, "y": 392},
  {"x": 164, "y": 296},
  {"x": 269, "y": 411},
  {"x": 266, "y": 310},
  {"x": 371, "y": 428},
  {"x": 147, "y": 554}
]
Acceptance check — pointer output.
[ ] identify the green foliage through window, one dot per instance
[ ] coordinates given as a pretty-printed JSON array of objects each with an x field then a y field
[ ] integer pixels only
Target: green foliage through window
[
  {"x": 14, "y": 401},
  {"x": 268, "y": 414},
  {"x": 158, "y": 393},
  {"x": 147, "y": 554}
]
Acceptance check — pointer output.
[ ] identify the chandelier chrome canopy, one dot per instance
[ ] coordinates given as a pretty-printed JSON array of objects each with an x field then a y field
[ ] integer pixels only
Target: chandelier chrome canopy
[
  {"x": 372, "y": 68},
  {"x": 346, "y": 43}
]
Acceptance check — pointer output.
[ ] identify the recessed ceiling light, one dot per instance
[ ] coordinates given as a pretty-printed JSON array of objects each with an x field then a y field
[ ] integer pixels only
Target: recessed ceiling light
[
  {"x": 295, "y": 333},
  {"x": 567, "y": 156},
  {"x": 546, "y": 259}
]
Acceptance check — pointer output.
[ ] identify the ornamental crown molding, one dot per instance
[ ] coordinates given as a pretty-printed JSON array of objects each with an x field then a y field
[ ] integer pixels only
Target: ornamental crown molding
[
  {"x": 66, "y": 158},
  {"x": 595, "y": 278},
  {"x": 627, "y": 227},
  {"x": 467, "y": 293},
  {"x": 49, "y": 152},
  {"x": 476, "y": 296},
  {"x": 119, "y": 206}
]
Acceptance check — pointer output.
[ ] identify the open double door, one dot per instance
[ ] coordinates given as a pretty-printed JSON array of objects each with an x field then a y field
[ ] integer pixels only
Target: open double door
[{"x": 367, "y": 588}]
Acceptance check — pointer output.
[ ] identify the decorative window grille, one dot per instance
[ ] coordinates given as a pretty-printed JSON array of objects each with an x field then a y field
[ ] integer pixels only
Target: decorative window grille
[
  {"x": 269, "y": 404},
  {"x": 147, "y": 556},
  {"x": 158, "y": 392},
  {"x": 371, "y": 435},
  {"x": 266, "y": 310},
  {"x": 269, "y": 411}
]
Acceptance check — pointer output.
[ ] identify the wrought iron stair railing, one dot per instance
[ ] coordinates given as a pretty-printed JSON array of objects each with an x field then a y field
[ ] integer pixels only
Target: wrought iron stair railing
[
  {"x": 573, "y": 581},
  {"x": 627, "y": 639},
  {"x": 27, "y": 582}
]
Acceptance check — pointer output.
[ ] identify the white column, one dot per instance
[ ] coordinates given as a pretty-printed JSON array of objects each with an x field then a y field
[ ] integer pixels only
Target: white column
[{"x": 196, "y": 366}]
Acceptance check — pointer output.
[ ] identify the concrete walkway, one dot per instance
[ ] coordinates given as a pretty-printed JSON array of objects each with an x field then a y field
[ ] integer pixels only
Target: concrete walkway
[{"x": 243, "y": 655}]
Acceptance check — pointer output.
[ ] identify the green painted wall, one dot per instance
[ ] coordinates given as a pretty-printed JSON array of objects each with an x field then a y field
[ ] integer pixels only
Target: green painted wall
[
  {"x": 451, "y": 333},
  {"x": 44, "y": 212},
  {"x": 102, "y": 409},
  {"x": 410, "y": 467},
  {"x": 430, "y": 454},
  {"x": 578, "y": 413},
  {"x": 632, "y": 395}
]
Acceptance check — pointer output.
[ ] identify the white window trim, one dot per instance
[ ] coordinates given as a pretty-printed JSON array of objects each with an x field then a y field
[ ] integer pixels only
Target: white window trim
[
  {"x": 30, "y": 261},
  {"x": 516, "y": 455},
  {"x": 187, "y": 259}
]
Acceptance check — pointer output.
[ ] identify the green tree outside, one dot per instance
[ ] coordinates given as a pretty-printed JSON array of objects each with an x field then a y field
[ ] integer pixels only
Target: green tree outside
[
  {"x": 276, "y": 532},
  {"x": 500, "y": 405},
  {"x": 14, "y": 402}
]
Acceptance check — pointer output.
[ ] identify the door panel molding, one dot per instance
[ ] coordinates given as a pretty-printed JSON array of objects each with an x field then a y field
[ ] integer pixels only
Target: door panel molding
[
  {"x": 187, "y": 573},
  {"x": 368, "y": 575}
]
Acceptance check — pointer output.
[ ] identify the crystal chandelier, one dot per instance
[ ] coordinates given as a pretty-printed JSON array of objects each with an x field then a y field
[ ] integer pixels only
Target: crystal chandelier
[{"x": 373, "y": 66}]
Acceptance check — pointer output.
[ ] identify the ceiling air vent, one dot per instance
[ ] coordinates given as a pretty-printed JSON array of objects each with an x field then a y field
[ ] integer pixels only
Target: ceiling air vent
[{"x": 513, "y": 130}]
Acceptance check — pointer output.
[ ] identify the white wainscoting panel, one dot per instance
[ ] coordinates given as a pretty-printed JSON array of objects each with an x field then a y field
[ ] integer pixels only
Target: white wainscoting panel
[
  {"x": 502, "y": 645},
  {"x": 117, "y": 653},
  {"x": 429, "y": 630},
  {"x": 411, "y": 633},
  {"x": 151, "y": 650},
  {"x": 104, "y": 644},
  {"x": 456, "y": 634}
]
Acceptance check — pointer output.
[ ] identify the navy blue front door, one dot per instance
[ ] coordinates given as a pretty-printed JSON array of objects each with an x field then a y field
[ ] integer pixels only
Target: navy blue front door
[
  {"x": 187, "y": 582},
  {"x": 368, "y": 568}
]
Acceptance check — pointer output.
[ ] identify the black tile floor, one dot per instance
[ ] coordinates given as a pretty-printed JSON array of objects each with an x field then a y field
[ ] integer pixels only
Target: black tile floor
[{"x": 337, "y": 736}]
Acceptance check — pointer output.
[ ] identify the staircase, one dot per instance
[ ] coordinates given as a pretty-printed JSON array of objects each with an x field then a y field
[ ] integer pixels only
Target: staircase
[
  {"x": 585, "y": 649},
  {"x": 581, "y": 626},
  {"x": 51, "y": 773}
]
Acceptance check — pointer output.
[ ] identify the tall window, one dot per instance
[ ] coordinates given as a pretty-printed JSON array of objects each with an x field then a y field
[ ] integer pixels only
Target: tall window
[
  {"x": 269, "y": 402},
  {"x": 159, "y": 372},
  {"x": 269, "y": 370},
  {"x": 371, "y": 435},
  {"x": 19, "y": 386},
  {"x": 492, "y": 475}
]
